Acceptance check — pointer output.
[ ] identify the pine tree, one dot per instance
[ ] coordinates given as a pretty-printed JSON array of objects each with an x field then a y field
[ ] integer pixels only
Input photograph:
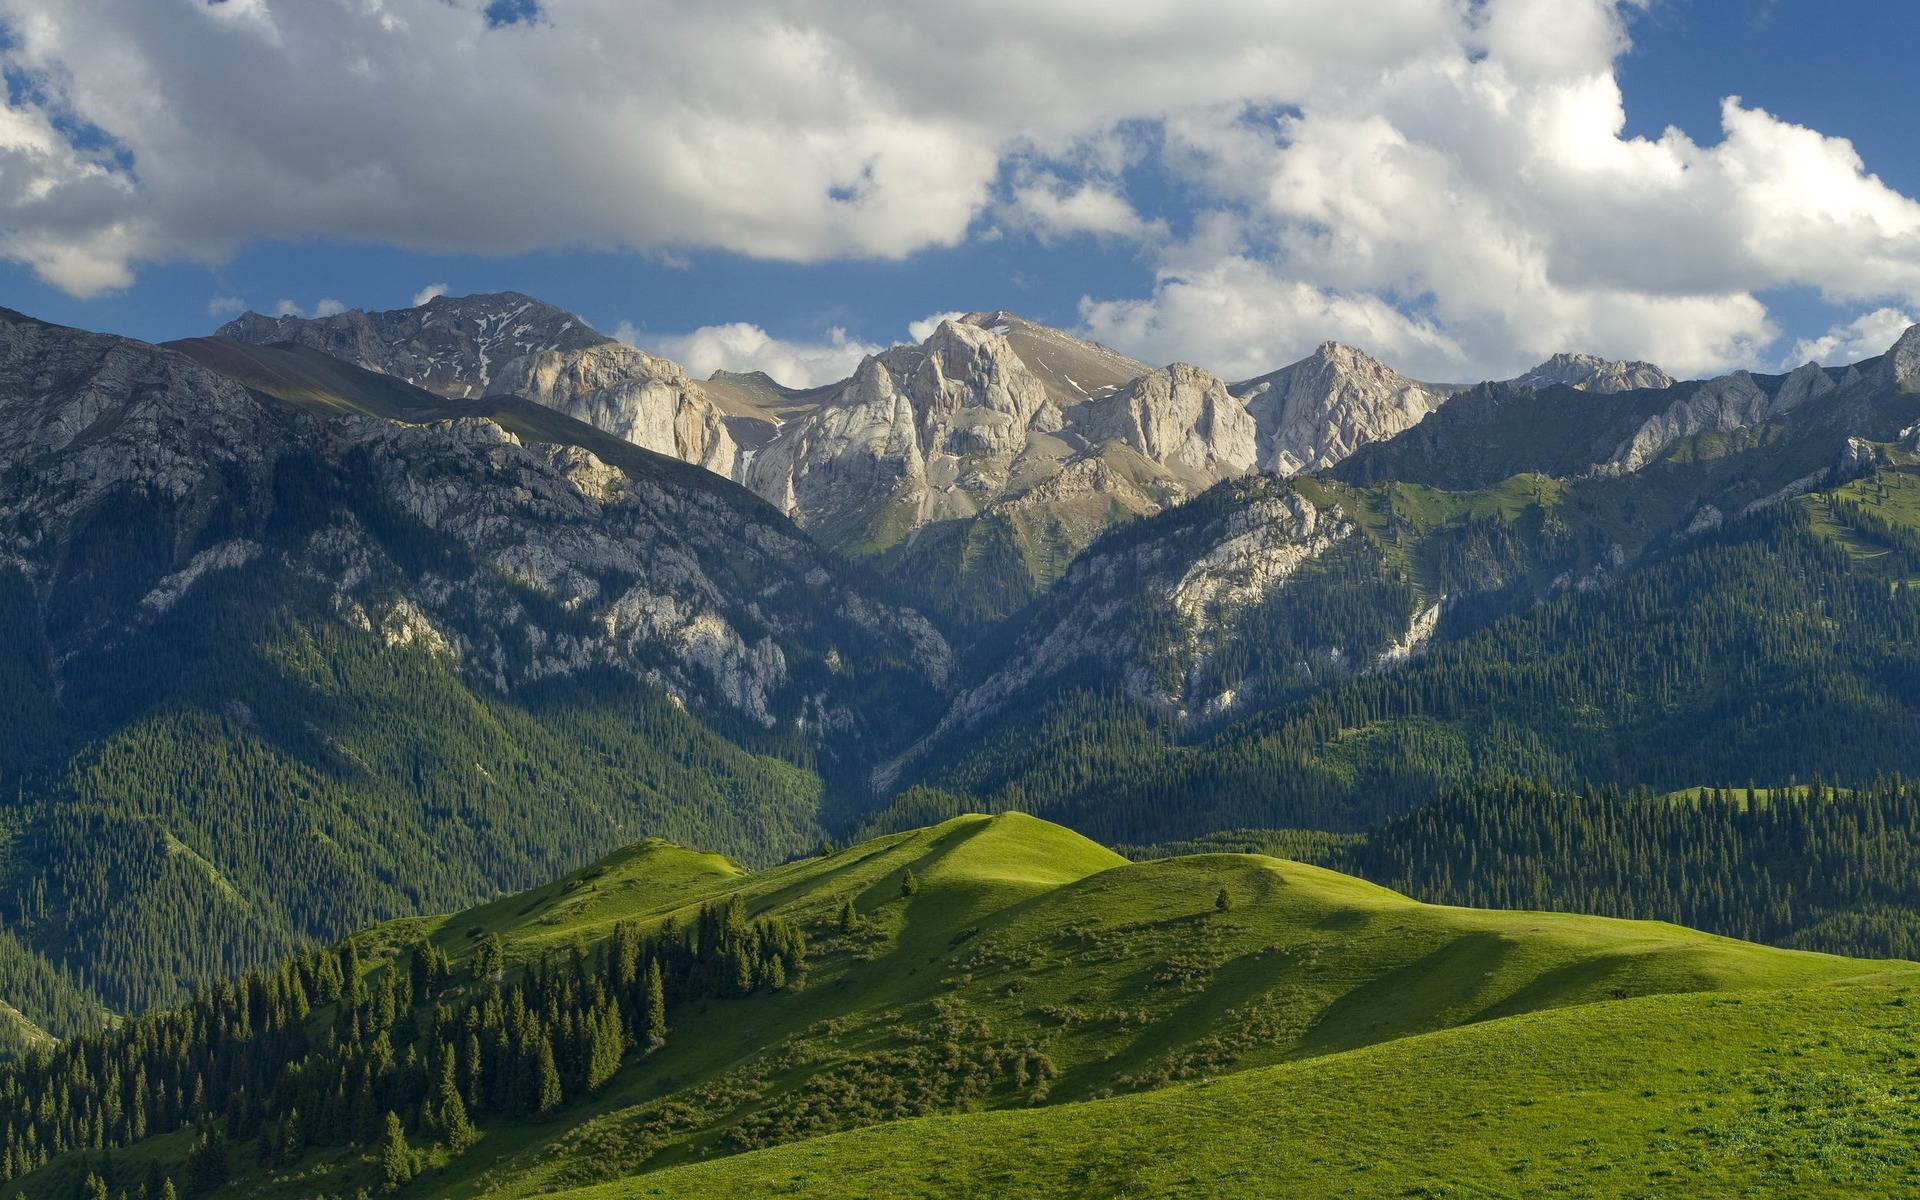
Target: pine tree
[
  {"x": 396, "y": 1157},
  {"x": 656, "y": 1029},
  {"x": 849, "y": 916},
  {"x": 450, "y": 1108},
  {"x": 909, "y": 883},
  {"x": 1224, "y": 901},
  {"x": 547, "y": 1076}
]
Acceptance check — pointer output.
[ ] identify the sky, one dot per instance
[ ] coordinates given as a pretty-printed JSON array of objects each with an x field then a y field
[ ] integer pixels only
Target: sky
[{"x": 1459, "y": 187}]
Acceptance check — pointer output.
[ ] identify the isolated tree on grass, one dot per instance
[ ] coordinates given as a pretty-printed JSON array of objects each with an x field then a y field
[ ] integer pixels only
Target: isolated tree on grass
[
  {"x": 1224, "y": 901},
  {"x": 909, "y": 883},
  {"x": 849, "y": 916}
]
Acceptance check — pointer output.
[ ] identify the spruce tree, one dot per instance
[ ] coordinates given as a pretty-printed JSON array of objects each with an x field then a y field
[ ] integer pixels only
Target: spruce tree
[
  {"x": 396, "y": 1157},
  {"x": 656, "y": 1029},
  {"x": 450, "y": 1108},
  {"x": 909, "y": 883},
  {"x": 849, "y": 916},
  {"x": 546, "y": 1076}
]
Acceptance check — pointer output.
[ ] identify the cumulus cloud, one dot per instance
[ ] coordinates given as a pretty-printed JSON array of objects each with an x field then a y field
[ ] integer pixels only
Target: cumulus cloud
[
  {"x": 287, "y": 308},
  {"x": 741, "y": 347},
  {"x": 921, "y": 330},
  {"x": 432, "y": 291},
  {"x": 1866, "y": 336},
  {"x": 221, "y": 306},
  {"x": 1479, "y": 210},
  {"x": 838, "y": 129},
  {"x": 1450, "y": 178}
]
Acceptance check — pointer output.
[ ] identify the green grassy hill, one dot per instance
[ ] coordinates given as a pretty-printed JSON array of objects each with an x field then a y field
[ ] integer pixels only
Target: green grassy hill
[
  {"x": 1024, "y": 967},
  {"x": 1799, "y": 1092}
]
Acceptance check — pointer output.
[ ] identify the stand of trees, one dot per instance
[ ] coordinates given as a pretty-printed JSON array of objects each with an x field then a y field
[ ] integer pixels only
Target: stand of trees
[
  {"x": 326, "y": 1050},
  {"x": 1817, "y": 867}
]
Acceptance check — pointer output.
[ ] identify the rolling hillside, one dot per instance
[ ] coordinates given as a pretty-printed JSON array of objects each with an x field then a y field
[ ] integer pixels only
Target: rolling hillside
[
  {"x": 985, "y": 963},
  {"x": 1803, "y": 1092}
]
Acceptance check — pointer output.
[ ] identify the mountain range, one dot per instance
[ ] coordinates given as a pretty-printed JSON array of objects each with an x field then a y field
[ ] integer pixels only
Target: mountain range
[
  {"x": 318, "y": 622},
  {"x": 310, "y": 629},
  {"x": 970, "y": 468}
]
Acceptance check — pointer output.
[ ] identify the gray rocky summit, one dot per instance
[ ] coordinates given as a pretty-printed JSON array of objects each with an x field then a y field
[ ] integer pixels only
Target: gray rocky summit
[{"x": 1591, "y": 373}]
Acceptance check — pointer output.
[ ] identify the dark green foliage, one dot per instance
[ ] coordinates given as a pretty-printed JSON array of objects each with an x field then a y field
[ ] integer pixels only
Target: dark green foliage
[
  {"x": 310, "y": 1053},
  {"x": 396, "y": 1157},
  {"x": 1756, "y": 653},
  {"x": 354, "y": 782},
  {"x": 1815, "y": 868}
]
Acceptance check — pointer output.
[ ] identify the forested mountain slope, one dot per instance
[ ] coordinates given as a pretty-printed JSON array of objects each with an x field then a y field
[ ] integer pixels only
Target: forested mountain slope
[{"x": 274, "y": 669}]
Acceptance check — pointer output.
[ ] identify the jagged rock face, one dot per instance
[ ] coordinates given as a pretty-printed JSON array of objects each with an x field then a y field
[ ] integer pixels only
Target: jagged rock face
[
  {"x": 453, "y": 346},
  {"x": 1900, "y": 370},
  {"x": 1316, "y": 412},
  {"x": 930, "y": 430},
  {"x": 1731, "y": 402},
  {"x": 548, "y": 561},
  {"x": 1072, "y": 369},
  {"x": 509, "y": 344},
  {"x": 1155, "y": 611},
  {"x": 1178, "y": 416},
  {"x": 648, "y": 401},
  {"x": 1591, "y": 373}
]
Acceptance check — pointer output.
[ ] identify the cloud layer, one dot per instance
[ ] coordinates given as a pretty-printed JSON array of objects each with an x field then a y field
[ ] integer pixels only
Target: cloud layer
[{"x": 1443, "y": 181}]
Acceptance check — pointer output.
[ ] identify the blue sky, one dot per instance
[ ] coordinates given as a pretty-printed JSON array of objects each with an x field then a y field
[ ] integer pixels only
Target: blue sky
[{"x": 1198, "y": 260}]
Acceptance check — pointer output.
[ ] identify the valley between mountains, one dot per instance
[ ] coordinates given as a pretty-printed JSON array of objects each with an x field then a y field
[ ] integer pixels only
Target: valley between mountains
[{"x": 453, "y": 752}]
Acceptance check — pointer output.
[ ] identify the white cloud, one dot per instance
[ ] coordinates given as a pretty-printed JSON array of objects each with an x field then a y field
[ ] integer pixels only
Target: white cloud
[
  {"x": 837, "y": 130},
  {"x": 742, "y": 347},
  {"x": 287, "y": 308},
  {"x": 1868, "y": 335},
  {"x": 1051, "y": 208},
  {"x": 1243, "y": 318},
  {"x": 432, "y": 291},
  {"x": 921, "y": 330},
  {"x": 328, "y": 307},
  {"x": 221, "y": 306},
  {"x": 1448, "y": 177},
  {"x": 1489, "y": 192}
]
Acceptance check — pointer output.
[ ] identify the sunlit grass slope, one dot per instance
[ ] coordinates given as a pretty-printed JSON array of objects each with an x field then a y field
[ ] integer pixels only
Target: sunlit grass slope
[
  {"x": 1021, "y": 938},
  {"x": 1804, "y": 1092},
  {"x": 1359, "y": 1038}
]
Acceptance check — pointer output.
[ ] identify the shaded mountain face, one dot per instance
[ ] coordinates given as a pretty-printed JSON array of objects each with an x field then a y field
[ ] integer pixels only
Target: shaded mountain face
[
  {"x": 1497, "y": 430},
  {"x": 661, "y": 572},
  {"x": 457, "y": 347},
  {"x": 509, "y": 344},
  {"x": 296, "y": 646}
]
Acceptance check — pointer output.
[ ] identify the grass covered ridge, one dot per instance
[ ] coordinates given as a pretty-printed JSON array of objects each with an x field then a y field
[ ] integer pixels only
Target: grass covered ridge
[{"x": 1008, "y": 967}]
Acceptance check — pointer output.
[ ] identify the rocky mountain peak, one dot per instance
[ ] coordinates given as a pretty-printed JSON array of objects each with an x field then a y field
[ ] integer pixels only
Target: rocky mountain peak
[
  {"x": 1072, "y": 369},
  {"x": 1901, "y": 367},
  {"x": 453, "y": 345},
  {"x": 1591, "y": 373},
  {"x": 1313, "y": 413},
  {"x": 1178, "y": 416}
]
